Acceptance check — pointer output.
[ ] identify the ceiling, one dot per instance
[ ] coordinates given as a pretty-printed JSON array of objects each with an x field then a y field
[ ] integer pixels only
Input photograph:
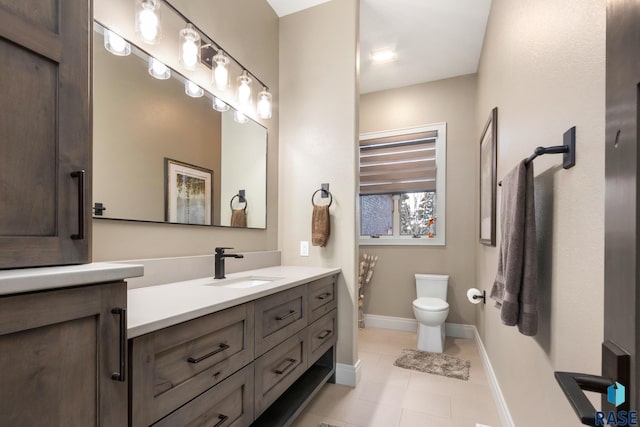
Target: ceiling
[{"x": 433, "y": 39}]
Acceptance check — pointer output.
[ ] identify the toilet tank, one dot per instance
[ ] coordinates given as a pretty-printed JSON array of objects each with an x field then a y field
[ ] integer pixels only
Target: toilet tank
[{"x": 432, "y": 285}]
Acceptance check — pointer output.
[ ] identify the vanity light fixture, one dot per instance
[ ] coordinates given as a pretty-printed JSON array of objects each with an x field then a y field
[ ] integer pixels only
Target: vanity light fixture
[
  {"x": 147, "y": 21},
  {"x": 239, "y": 117},
  {"x": 220, "y": 70},
  {"x": 264, "y": 104},
  {"x": 189, "y": 43},
  {"x": 382, "y": 56},
  {"x": 244, "y": 89},
  {"x": 116, "y": 44},
  {"x": 192, "y": 89},
  {"x": 158, "y": 70},
  {"x": 219, "y": 105}
]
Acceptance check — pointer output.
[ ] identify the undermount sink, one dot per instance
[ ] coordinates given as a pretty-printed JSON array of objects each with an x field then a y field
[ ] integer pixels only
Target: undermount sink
[{"x": 243, "y": 282}]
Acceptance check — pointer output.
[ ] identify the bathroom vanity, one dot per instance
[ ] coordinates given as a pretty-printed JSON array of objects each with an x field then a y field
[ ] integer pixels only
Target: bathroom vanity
[
  {"x": 251, "y": 349},
  {"x": 63, "y": 345}
]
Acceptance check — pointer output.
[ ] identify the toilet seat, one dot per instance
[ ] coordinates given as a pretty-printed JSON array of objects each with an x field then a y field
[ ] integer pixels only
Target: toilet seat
[{"x": 430, "y": 304}]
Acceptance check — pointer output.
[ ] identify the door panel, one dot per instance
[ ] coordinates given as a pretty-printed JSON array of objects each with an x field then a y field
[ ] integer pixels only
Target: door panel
[
  {"x": 44, "y": 132},
  {"x": 621, "y": 188}
]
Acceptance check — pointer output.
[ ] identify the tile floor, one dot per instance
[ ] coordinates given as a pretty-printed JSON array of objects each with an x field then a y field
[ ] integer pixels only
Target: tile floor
[{"x": 388, "y": 396}]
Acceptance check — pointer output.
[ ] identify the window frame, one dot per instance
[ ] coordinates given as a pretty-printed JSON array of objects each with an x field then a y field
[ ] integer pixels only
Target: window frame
[{"x": 441, "y": 173}]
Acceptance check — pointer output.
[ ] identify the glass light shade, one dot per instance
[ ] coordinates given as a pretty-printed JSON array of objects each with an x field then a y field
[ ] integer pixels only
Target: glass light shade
[
  {"x": 239, "y": 117},
  {"x": 219, "y": 105},
  {"x": 244, "y": 89},
  {"x": 189, "y": 47},
  {"x": 264, "y": 104},
  {"x": 116, "y": 44},
  {"x": 158, "y": 70},
  {"x": 147, "y": 21},
  {"x": 221, "y": 70},
  {"x": 192, "y": 89}
]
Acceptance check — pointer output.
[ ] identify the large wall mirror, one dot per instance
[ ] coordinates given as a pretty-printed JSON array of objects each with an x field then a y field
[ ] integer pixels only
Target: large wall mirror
[{"x": 162, "y": 156}]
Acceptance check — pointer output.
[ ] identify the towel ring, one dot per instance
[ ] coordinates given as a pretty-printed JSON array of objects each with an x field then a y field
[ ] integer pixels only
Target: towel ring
[
  {"x": 324, "y": 191},
  {"x": 238, "y": 196}
]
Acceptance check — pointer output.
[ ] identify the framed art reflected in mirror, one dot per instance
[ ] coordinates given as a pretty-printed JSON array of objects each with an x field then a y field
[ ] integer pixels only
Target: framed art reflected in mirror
[
  {"x": 488, "y": 159},
  {"x": 188, "y": 193}
]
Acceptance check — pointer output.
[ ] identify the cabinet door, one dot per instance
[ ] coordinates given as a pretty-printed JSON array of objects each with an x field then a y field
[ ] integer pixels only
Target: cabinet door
[
  {"x": 58, "y": 351},
  {"x": 45, "y": 133}
]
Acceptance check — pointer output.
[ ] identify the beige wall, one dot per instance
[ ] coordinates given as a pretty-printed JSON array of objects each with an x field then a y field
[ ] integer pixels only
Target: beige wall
[
  {"x": 248, "y": 29},
  {"x": 453, "y": 101},
  {"x": 543, "y": 66},
  {"x": 318, "y": 92}
]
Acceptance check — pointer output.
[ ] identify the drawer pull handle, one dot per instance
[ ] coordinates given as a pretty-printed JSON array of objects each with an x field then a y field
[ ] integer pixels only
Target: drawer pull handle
[
  {"x": 325, "y": 334},
  {"x": 286, "y": 316},
  {"x": 324, "y": 296},
  {"x": 221, "y": 347},
  {"x": 222, "y": 419},
  {"x": 289, "y": 364}
]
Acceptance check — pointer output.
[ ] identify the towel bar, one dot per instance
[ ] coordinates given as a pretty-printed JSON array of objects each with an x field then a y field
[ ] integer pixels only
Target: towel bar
[{"x": 568, "y": 149}]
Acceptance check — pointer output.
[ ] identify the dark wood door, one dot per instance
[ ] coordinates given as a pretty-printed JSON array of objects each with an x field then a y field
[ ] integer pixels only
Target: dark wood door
[
  {"x": 622, "y": 230},
  {"x": 58, "y": 351},
  {"x": 45, "y": 132}
]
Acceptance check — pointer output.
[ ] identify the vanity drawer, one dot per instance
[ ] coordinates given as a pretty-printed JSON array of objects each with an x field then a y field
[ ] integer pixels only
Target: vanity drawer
[
  {"x": 228, "y": 404},
  {"x": 322, "y": 297},
  {"x": 175, "y": 364},
  {"x": 279, "y": 316},
  {"x": 322, "y": 334},
  {"x": 278, "y": 369}
]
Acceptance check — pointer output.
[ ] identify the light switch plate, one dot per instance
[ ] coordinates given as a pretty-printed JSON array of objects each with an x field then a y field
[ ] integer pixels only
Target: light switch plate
[{"x": 304, "y": 248}]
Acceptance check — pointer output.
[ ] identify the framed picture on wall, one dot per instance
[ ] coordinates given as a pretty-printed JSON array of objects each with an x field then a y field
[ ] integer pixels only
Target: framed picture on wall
[
  {"x": 488, "y": 156},
  {"x": 188, "y": 193}
]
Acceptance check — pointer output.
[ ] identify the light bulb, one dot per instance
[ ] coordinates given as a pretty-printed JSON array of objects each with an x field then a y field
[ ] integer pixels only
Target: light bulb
[
  {"x": 264, "y": 104},
  {"x": 192, "y": 89},
  {"x": 158, "y": 70},
  {"x": 219, "y": 105},
  {"x": 147, "y": 21},
  {"x": 244, "y": 89},
  {"x": 189, "y": 47},
  {"x": 220, "y": 70},
  {"x": 239, "y": 117},
  {"x": 116, "y": 44}
]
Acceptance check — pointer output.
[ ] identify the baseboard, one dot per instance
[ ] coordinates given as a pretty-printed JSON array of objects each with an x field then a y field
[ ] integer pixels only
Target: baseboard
[
  {"x": 455, "y": 330},
  {"x": 501, "y": 403},
  {"x": 389, "y": 322},
  {"x": 348, "y": 375}
]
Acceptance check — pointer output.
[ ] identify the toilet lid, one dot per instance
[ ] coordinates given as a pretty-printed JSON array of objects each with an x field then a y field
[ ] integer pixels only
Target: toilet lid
[{"x": 431, "y": 304}]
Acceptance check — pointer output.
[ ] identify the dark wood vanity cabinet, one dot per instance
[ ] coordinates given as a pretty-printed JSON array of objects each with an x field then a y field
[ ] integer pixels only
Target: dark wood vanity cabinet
[
  {"x": 256, "y": 364},
  {"x": 45, "y": 132},
  {"x": 58, "y": 352}
]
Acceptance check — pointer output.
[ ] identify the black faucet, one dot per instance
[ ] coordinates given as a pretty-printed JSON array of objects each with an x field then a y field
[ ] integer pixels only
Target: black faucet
[{"x": 219, "y": 261}]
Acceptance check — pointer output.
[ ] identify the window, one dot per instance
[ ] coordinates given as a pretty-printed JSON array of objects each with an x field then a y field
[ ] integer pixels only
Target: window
[{"x": 402, "y": 186}]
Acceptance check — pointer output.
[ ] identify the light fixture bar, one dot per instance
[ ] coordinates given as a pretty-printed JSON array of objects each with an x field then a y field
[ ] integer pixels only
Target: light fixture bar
[{"x": 206, "y": 40}]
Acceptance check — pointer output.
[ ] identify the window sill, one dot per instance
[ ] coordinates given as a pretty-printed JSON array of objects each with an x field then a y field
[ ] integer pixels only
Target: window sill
[{"x": 401, "y": 241}]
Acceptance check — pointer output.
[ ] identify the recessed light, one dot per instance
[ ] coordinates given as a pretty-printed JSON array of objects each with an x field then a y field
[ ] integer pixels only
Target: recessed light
[{"x": 383, "y": 55}]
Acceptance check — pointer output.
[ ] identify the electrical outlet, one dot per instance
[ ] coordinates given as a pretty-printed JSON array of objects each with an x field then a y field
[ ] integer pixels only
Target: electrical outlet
[{"x": 304, "y": 248}]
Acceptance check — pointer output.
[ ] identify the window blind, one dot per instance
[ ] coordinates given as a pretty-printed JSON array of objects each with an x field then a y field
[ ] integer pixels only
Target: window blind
[{"x": 398, "y": 164}]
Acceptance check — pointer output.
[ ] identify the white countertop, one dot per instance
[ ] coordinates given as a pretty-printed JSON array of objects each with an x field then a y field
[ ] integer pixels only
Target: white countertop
[
  {"x": 156, "y": 307},
  {"x": 44, "y": 278}
]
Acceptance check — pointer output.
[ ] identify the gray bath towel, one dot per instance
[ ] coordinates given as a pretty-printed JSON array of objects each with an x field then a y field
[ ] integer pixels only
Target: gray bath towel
[{"x": 515, "y": 289}]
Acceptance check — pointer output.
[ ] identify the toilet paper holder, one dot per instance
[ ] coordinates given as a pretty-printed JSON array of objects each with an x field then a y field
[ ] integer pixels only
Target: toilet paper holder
[
  {"x": 474, "y": 295},
  {"x": 483, "y": 297}
]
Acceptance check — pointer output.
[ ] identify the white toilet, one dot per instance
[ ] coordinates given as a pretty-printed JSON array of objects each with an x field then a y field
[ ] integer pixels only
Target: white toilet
[{"x": 431, "y": 310}]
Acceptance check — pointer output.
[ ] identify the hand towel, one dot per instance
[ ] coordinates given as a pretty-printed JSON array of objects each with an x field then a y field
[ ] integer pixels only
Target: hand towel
[
  {"x": 320, "y": 225},
  {"x": 238, "y": 218},
  {"x": 516, "y": 284}
]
